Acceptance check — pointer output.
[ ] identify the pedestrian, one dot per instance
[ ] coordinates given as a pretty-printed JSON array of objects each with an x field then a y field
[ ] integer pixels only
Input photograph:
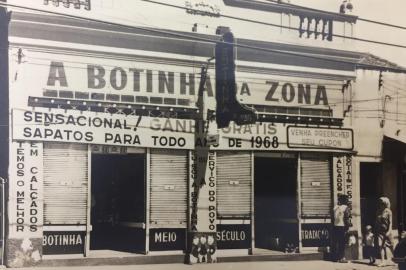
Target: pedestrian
[
  {"x": 383, "y": 231},
  {"x": 203, "y": 249},
  {"x": 369, "y": 246},
  {"x": 400, "y": 252},
  {"x": 195, "y": 250},
  {"x": 341, "y": 222},
  {"x": 211, "y": 250}
]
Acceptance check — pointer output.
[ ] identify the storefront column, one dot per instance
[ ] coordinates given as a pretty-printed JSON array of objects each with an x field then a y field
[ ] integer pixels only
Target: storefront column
[
  {"x": 89, "y": 201},
  {"x": 299, "y": 202},
  {"x": 251, "y": 251},
  {"x": 356, "y": 203},
  {"x": 25, "y": 205},
  {"x": 147, "y": 198}
]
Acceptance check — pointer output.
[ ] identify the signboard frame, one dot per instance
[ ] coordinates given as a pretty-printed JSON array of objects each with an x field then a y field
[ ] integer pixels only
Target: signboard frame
[
  {"x": 60, "y": 249},
  {"x": 176, "y": 238},
  {"x": 317, "y": 230},
  {"x": 304, "y": 146},
  {"x": 239, "y": 236}
]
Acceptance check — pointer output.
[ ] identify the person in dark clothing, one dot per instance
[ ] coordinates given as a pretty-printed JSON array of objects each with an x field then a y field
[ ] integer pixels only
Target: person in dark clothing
[
  {"x": 341, "y": 224},
  {"x": 400, "y": 252},
  {"x": 369, "y": 244},
  {"x": 342, "y": 7}
]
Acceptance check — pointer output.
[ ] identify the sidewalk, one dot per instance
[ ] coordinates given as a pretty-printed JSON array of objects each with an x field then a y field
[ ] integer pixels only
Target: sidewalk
[
  {"x": 108, "y": 257},
  {"x": 277, "y": 265}
]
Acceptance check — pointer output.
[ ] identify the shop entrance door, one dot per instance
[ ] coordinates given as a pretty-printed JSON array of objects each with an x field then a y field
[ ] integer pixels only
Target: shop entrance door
[
  {"x": 402, "y": 201},
  {"x": 370, "y": 173},
  {"x": 118, "y": 202},
  {"x": 275, "y": 203}
]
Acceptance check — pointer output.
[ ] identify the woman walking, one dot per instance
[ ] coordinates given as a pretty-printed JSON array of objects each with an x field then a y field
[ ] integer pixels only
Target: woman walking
[{"x": 383, "y": 234}]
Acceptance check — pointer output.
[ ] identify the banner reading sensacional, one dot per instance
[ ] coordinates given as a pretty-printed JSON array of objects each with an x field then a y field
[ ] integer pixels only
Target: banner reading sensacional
[{"x": 73, "y": 126}]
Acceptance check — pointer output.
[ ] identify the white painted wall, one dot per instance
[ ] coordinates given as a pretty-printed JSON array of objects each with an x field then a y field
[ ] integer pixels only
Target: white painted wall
[
  {"x": 377, "y": 112},
  {"x": 145, "y": 14}
]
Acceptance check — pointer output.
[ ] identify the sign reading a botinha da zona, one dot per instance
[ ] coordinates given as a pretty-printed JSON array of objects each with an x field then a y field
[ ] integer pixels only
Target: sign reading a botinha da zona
[{"x": 141, "y": 81}]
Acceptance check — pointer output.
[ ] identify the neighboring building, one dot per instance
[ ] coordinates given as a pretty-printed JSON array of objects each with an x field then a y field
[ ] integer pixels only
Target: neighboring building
[
  {"x": 379, "y": 124},
  {"x": 102, "y": 129}
]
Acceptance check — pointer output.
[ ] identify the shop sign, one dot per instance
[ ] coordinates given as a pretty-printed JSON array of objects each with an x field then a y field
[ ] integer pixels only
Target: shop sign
[
  {"x": 316, "y": 234},
  {"x": 167, "y": 239},
  {"x": 235, "y": 236},
  {"x": 104, "y": 129},
  {"x": 63, "y": 242},
  {"x": 343, "y": 179},
  {"x": 72, "y": 76},
  {"x": 57, "y": 125},
  {"x": 25, "y": 195},
  {"x": 202, "y": 185},
  {"x": 320, "y": 138},
  {"x": 276, "y": 137}
]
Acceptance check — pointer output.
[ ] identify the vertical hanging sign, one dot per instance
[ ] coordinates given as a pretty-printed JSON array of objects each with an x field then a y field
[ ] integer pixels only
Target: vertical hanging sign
[
  {"x": 203, "y": 213},
  {"x": 343, "y": 184},
  {"x": 26, "y": 198},
  {"x": 343, "y": 178}
]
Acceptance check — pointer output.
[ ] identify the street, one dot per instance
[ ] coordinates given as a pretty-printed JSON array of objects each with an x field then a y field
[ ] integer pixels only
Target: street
[{"x": 294, "y": 265}]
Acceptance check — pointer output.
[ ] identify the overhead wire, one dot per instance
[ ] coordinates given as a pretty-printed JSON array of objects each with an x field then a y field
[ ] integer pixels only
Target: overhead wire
[
  {"x": 319, "y": 10},
  {"x": 283, "y": 26},
  {"x": 300, "y": 106},
  {"x": 239, "y": 79},
  {"x": 195, "y": 38},
  {"x": 195, "y": 73},
  {"x": 207, "y": 40}
]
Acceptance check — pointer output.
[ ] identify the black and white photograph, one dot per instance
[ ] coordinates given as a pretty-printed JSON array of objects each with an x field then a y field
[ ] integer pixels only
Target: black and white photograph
[{"x": 203, "y": 134}]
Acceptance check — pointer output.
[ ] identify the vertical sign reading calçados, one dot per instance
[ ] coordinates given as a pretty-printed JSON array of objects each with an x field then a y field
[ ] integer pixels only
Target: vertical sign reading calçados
[
  {"x": 25, "y": 199},
  {"x": 343, "y": 177}
]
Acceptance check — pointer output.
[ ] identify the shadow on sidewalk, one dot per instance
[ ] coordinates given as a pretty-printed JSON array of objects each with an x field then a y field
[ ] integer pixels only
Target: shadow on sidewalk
[{"x": 366, "y": 262}]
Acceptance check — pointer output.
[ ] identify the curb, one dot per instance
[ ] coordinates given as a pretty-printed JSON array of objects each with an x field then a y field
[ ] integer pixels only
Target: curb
[{"x": 173, "y": 259}]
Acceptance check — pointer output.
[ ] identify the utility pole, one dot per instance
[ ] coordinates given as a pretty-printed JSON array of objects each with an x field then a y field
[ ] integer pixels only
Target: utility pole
[
  {"x": 202, "y": 244},
  {"x": 202, "y": 227}
]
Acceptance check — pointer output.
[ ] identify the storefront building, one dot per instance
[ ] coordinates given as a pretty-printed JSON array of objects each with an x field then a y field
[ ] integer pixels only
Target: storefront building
[
  {"x": 379, "y": 125},
  {"x": 103, "y": 138}
]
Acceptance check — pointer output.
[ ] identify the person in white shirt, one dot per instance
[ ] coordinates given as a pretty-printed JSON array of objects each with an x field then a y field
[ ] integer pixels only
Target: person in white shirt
[{"x": 341, "y": 224}]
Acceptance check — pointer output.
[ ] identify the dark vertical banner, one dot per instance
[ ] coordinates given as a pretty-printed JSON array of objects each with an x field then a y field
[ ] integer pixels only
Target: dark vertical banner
[
  {"x": 4, "y": 92},
  {"x": 4, "y": 109}
]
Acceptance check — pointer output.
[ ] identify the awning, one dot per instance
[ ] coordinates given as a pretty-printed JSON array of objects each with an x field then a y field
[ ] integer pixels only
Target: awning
[
  {"x": 394, "y": 142},
  {"x": 395, "y": 132}
]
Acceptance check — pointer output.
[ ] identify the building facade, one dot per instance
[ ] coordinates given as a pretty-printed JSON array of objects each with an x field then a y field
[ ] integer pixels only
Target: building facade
[
  {"x": 103, "y": 134},
  {"x": 378, "y": 122}
]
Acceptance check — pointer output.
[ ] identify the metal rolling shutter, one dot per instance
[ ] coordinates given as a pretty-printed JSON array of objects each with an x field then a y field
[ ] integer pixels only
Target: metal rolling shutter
[
  {"x": 168, "y": 187},
  {"x": 65, "y": 183},
  {"x": 234, "y": 184},
  {"x": 315, "y": 186}
]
